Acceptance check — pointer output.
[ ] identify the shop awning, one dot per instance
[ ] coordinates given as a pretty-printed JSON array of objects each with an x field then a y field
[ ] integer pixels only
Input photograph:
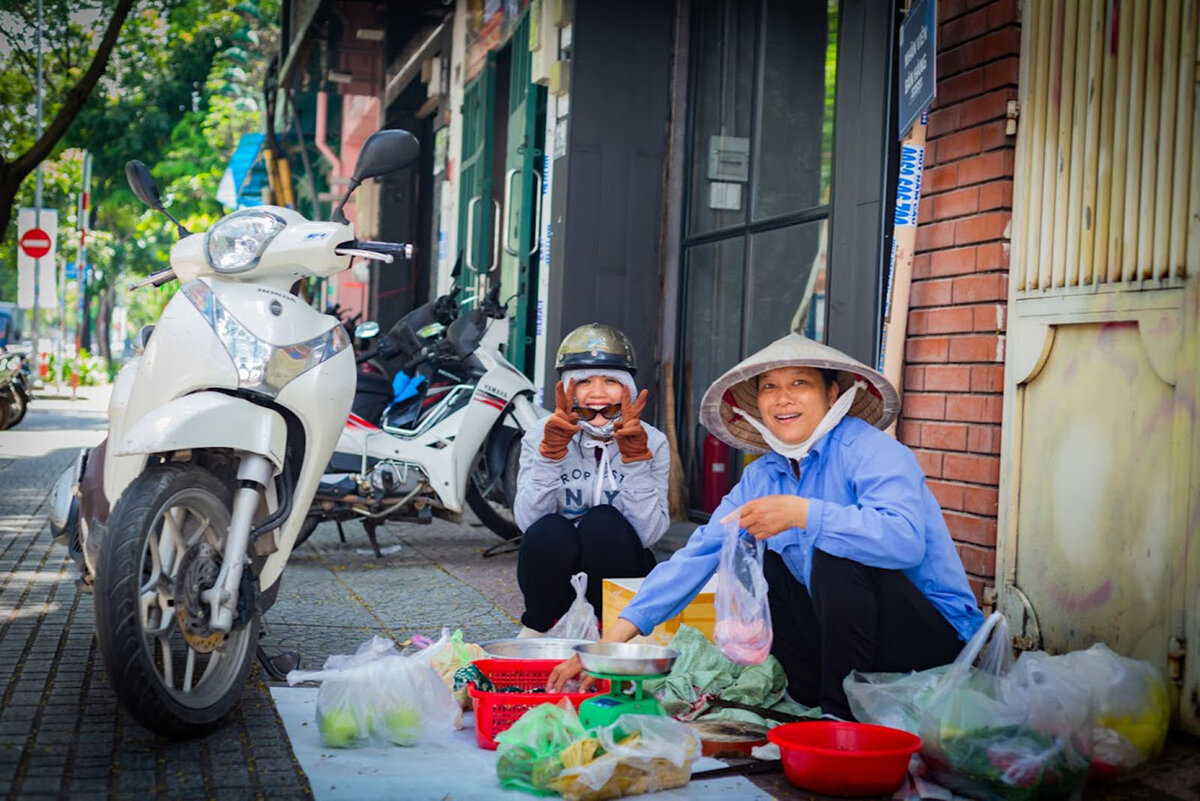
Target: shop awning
[{"x": 244, "y": 179}]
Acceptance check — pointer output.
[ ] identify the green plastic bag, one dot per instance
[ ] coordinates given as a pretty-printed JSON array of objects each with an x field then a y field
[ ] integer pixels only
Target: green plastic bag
[{"x": 527, "y": 756}]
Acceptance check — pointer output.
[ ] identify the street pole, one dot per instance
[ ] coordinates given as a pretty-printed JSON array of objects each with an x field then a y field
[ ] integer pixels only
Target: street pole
[
  {"x": 37, "y": 207},
  {"x": 81, "y": 218},
  {"x": 85, "y": 203}
]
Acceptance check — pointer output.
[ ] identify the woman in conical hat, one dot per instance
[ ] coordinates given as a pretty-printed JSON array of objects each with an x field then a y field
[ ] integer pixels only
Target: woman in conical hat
[{"x": 861, "y": 570}]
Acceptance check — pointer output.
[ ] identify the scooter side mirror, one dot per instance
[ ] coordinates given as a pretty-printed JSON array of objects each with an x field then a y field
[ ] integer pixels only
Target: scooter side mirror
[
  {"x": 367, "y": 330},
  {"x": 142, "y": 183},
  {"x": 384, "y": 152}
]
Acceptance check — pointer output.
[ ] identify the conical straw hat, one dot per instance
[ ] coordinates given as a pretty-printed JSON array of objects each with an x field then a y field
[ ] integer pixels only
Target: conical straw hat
[{"x": 878, "y": 404}]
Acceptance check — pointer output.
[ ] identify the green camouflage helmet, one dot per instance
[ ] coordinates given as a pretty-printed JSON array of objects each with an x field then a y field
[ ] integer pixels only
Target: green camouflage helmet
[{"x": 596, "y": 345}]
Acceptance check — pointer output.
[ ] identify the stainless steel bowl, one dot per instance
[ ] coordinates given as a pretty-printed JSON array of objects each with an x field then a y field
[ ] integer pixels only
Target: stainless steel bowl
[
  {"x": 626, "y": 659},
  {"x": 531, "y": 648}
]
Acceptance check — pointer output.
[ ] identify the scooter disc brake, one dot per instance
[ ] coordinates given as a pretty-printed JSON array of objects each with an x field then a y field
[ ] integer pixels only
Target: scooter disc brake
[{"x": 198, "y": 571}]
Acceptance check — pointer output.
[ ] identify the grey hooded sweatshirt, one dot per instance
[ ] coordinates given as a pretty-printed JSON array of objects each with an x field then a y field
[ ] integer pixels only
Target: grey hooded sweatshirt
[{"x": 568, "y": 487}]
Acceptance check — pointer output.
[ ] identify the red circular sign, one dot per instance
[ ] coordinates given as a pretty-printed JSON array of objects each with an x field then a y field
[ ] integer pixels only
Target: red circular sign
[{"x": 35, "y": 243}]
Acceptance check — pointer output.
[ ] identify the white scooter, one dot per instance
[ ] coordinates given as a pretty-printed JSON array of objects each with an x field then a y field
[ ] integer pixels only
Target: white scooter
[
  {"x": 456, "y": 439},
  {"x": 218, "y": 435}
]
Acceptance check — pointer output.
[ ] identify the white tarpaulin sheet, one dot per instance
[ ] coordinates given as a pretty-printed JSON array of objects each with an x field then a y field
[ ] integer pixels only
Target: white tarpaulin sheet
[{"x": 451, "y": 768}]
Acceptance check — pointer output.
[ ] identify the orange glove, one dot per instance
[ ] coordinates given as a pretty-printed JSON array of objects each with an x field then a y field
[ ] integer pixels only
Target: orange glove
[
  {"x": 562, "y": 426},
  {"x": 628, "y": 431}
]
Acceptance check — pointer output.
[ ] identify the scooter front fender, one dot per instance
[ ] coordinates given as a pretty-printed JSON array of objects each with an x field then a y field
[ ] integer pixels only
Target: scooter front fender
[{"x": 208, "y": 420}]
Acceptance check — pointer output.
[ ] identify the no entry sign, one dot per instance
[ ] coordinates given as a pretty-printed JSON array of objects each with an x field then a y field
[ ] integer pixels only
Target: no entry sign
[
  {"x": 36, "y": 235},
  {"x": 36, "y": 243}
]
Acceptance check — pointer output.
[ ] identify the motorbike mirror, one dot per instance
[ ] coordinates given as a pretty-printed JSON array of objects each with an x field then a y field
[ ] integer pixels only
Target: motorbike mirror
[
  {"x": 142, "y": 183},
  {"x": 384, "y": 152},
  {"x": 366, "y": 330}
]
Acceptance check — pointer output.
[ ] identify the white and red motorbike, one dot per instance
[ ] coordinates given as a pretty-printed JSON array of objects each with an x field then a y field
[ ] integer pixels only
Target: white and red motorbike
[
  {"x": 455, "y": 440},
  {"x": 183, "y": 520}
]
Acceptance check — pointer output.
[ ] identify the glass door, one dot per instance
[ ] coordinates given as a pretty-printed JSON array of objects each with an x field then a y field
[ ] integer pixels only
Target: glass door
[{"x": 757, "y": 201}]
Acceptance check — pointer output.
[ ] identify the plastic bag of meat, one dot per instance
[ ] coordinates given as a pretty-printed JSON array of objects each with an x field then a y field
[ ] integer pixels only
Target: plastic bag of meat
[{"x": 743, "y": 627}]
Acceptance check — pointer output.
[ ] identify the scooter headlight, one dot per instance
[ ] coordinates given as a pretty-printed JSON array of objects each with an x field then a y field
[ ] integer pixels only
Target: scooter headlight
[
  {"x": 261, "y": 366},
  {"x": 236, "y": 243}
]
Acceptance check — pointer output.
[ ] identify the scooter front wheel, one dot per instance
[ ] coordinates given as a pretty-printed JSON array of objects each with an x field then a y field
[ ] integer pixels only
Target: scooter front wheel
[
  {"x": 17, "y": 407},
  {"x": 163, "y": 549}
]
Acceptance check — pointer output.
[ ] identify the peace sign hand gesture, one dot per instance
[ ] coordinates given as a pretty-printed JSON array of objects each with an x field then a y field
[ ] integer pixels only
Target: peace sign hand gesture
[
  {"x": 628, "y": 431},
  {"x": 562, "y": 426}
]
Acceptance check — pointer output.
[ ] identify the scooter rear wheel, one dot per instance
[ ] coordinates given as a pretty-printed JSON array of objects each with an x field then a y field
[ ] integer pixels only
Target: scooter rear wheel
[{"x": 163, "y": 547}]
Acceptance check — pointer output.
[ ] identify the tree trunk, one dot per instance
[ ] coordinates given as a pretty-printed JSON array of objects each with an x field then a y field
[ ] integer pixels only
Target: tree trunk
[
  {"x": 104, "y": 323},
  {"x": 85, "y": 323}
]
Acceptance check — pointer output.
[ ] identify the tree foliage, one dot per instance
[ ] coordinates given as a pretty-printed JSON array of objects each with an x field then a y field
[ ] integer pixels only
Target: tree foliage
[
  {"x": 76, "y": 70},
  {"x": 171, "y": 97}
]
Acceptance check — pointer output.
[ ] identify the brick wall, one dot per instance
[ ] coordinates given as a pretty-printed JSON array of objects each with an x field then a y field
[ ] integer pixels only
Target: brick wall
[{"x": 954, "y": 373}]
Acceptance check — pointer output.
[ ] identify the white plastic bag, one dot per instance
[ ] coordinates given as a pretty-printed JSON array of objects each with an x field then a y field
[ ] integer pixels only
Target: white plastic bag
[
  {"x": 1129, "y": 700},
  {"x": 379, "y": 695},
  {"x": 579, "y": 623},
  {"x": 743, "y": 627},
  {"x": 641, "y": 754}
]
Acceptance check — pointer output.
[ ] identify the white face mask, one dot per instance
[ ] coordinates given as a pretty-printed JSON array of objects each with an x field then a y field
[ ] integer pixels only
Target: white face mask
[{"x": 836, "y": 412}]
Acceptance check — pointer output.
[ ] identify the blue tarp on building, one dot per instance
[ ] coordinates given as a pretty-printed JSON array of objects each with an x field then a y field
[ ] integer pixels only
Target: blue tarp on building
[{"x": 246, "y": 175}]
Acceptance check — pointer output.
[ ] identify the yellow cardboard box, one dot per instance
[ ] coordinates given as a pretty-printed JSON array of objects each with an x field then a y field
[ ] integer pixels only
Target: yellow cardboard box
[{"x": 700, "y": 614}]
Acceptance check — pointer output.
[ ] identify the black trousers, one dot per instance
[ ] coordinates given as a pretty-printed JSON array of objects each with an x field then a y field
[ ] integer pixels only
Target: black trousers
[
  {"x": 601, "y": 543},
  {"x": 855, "y": 618}
]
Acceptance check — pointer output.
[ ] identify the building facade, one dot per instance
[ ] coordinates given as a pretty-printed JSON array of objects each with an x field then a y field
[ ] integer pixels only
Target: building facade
[{"x": 709, "y": 175}]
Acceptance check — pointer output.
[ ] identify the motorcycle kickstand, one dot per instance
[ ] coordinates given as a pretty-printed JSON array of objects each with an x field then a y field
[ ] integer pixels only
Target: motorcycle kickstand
[
  {"x": 371, "y": 526},
  {"x": 280, "y": 665},
  {"x": 508, "y": 546},
  {"x": 341, "y": 532}
]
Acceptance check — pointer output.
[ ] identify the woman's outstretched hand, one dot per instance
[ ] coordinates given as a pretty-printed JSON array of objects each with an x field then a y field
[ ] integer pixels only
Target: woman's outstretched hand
[
  {"x": 620, "y": 631},
  {"x": 564, "y": 672},
  {"x": 561, "y": 426}
]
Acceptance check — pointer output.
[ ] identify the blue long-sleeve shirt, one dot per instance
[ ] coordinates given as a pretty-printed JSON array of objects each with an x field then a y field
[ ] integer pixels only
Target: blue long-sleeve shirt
[{"x": 868, "y": 502}]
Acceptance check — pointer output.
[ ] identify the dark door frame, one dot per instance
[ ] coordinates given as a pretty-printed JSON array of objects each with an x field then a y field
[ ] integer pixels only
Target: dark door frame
[{"x": 862, "y": 193}]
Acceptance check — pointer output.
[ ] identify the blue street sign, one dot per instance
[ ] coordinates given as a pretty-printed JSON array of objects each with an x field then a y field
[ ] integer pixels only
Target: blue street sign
[
  {"x": 918, "y": 62},
  {"x": 70, "y": 272}
]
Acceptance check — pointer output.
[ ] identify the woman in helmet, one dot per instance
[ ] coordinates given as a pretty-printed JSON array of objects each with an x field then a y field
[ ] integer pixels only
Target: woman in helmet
[{"x": 592, "y": 490}]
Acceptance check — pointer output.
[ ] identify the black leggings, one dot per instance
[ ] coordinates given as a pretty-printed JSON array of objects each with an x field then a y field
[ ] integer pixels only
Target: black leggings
[
  {"x": 856, "y": 618},
  {"x": 601, "y": 543}
]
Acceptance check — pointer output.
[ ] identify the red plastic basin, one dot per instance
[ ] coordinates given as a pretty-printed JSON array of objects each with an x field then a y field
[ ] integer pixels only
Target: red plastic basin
[{"x": 833, "y": 757}]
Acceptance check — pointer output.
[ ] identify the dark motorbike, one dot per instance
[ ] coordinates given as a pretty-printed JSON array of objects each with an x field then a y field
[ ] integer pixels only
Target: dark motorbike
[{"x": 14, "y": 389}]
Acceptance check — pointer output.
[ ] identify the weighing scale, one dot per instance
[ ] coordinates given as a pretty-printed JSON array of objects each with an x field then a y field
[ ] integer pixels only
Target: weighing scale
[
  {"x": 620, "y": 663},
  {"x": 603, "y": 710}
]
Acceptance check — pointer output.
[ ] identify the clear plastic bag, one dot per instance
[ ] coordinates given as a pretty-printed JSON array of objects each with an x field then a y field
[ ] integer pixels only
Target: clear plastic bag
[
  {"x": 1129, "y": 700},
  {"x": 378, "y": 695},
  {"x": 892, "y": 699},
  {"x": 636, "y": 754},
  {"x": 449, "y": 660},
  {"x": 1004, "y": 729},
  {"x": 743, "y": 626},
  {"x": 579, "y": 623}
]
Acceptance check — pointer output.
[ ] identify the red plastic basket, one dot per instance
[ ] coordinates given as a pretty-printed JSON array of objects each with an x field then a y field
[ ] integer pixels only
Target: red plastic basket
[{"x": 495, "y": 711}]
